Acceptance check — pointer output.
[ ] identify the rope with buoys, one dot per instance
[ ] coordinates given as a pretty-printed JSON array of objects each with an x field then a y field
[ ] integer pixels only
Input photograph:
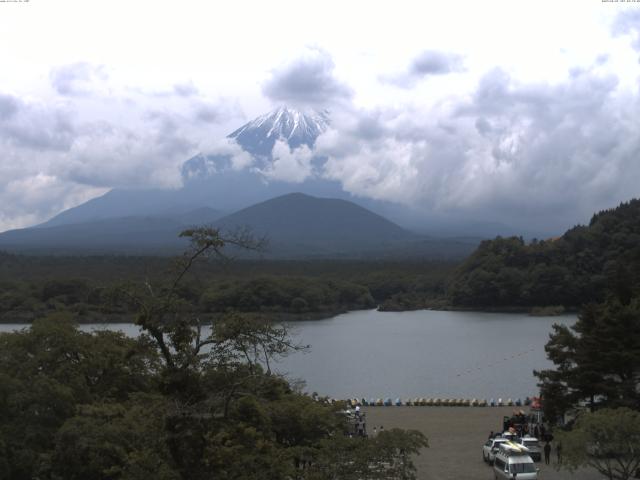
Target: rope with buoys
[{"x": 428, "y": 402}]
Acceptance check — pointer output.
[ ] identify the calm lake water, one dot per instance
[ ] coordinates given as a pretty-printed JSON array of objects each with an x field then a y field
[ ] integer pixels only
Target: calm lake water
[{"x": 415, "y": 354}]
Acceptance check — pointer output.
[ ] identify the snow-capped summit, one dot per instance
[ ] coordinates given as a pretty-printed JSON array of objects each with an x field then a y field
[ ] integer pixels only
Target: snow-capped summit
[
  {"x": 258, "y": 138},
  {"x": 297, "y": 128}
]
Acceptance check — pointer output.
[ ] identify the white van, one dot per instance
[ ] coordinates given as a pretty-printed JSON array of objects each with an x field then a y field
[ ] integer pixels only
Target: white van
[
  {"x": 514, "y": 459},
  {"x": 535, "y": 451}
]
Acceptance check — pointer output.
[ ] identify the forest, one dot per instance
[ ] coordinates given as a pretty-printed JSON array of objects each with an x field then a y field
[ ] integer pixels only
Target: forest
[
  {"x": 173, "y": 403},
  {"x": 579, "y": 267},
  {"x": 92, "y": 286},
  {"x": 505, "y": 273}
]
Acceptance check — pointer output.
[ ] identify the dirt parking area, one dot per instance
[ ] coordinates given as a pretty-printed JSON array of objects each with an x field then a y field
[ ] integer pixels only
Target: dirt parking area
[{"x": 456, "y": 435}]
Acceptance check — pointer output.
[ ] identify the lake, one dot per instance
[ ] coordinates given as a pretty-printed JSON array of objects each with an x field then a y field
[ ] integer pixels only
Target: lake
[{"x": 415, "y": 354}]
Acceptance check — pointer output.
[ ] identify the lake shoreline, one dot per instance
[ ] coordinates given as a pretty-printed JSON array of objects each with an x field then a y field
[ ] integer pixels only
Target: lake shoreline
[
  {"x": 283, "y": 317},
  {"x": 545, "y": 311},
  {"x": 289, "y": 317}
]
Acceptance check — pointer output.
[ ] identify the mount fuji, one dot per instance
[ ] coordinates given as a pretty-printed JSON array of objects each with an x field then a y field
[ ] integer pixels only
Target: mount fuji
[
  {"x": 214, "y": 187},
  {"x": 211, "y": 180},
  {"x": 297, "y": 128}
]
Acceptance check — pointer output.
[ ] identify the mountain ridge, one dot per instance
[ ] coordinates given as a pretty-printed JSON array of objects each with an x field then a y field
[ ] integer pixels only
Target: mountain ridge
[{"x": 297, "y": 225}]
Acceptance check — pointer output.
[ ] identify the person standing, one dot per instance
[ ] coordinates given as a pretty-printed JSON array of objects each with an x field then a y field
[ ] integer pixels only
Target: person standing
[
  {"x": 547, "y": 452},
  {"x": 559, "y": 452}
]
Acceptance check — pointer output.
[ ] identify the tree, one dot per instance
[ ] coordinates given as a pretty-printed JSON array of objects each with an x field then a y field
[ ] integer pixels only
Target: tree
[
  {"x": 114, "y": 440},
  {"x": 386, "y": 456},
  {"x": 181, "y": 401},
  {"x": 607, "y": 440},
  {"x": 597, "y": 360},
  {"x": 48, "y": 371}
]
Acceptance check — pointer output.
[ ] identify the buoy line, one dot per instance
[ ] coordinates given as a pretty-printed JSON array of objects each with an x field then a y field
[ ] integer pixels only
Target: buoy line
[{"x": 428, "y": 402}]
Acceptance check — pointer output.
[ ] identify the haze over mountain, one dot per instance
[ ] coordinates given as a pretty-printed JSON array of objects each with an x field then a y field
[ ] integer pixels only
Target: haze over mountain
[
  {"x": 296, "y": 226},
  {"x": 275, "y": 159},
  {"x": 146, "y": 235},
  {"x": 212, "y": 180}
]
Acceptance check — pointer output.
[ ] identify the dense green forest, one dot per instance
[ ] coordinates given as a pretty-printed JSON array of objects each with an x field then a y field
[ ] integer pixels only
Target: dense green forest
[
  {"x": 172, "y": 403},
  {"x": 91, "y": 286},
  {"x": 505, "y": 273},
  {"x": 579, "y": 267}
]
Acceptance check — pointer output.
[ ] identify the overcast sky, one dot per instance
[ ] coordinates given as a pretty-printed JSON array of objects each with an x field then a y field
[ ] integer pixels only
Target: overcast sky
[{"x": 513, "y": 111}]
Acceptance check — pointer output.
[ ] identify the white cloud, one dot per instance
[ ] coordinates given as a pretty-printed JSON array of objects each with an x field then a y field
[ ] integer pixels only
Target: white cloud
[
  {"x": 309, "y": 80},
  {"x": 540, "y": 156},
  {"x": 289, "y": 165},
  {"x": 427, "y": 63},
  {"x": 56, "y": 152},
  {"x": 77, "y": 78}
]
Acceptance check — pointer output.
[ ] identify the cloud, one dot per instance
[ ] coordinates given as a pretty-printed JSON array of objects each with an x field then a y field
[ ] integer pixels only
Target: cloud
[
  {"x": 208, "y": 114},
  {"x": 76, "y": 78},
  {"x": 289, "y": 165},
  {"x": 205, "y": 111},
  {"x": 27, "y": 200},
  {"x": 628, "y": 23},
  {"x": 307, "y": 81},
  {"x": 33, "y": 126},
  {"x": 83, "y": 141},
  {"x": 8, "y": 107},
  {"x": 432, "y": 62},
  {"x": 427, "y": 63},
  {"x": 107, "y": 155},
  {"x": 216, "y": 157},
  {"x": 187, "y": 89},
  {"x": 540, "y": 156}
]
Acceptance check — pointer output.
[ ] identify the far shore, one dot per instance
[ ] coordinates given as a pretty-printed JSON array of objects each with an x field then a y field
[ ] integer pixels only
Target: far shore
[
  {"x": 543, "y": 311},
  {"x": 97, "y": 318}
]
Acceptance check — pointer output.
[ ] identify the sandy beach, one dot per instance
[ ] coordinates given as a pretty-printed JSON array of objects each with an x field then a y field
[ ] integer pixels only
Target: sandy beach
[{"x": 456, "y": 435}]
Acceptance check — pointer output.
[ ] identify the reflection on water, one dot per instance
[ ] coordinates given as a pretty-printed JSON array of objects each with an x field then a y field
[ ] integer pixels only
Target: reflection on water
[{"x": 415, "y": 354}]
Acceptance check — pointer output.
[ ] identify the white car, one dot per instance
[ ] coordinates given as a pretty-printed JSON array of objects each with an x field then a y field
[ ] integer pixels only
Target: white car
[
  {"x": 533, "y": 445},
  {"x": 490, "y": 448}
]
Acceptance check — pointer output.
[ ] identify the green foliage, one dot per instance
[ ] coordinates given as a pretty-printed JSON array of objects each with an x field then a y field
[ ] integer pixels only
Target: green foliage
[
  {"x": 174, "y": 404},
  {"x": 607, "y": 440},
  {"x": 597, "y": 360},
  {"x": 48, "y": 371},
  {"x": 114, "y": 440},
  {"x": 92, "y": 287},
  {"x": 289, "y": 294},
  {"x": 386, "y": 456},
  {"x": 579, "y": 267}
]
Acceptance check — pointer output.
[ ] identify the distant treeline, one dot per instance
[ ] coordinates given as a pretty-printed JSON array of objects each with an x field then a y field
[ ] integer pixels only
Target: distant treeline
[
  {"x": 91, "y": 287},
  {"x": 579, "y": 267}
]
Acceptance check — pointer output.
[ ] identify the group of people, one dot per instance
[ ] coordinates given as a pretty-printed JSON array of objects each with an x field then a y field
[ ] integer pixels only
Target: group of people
[
  {"x": 547, "y": 452},
  {"x": 360, "y": 425}
]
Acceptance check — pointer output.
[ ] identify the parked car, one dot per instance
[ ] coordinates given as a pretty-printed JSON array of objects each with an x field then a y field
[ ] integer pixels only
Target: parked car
[
  {"x": 514, "y": 460},
  {"x": 490, "y": 448},
  {"x": 532, "y": 443}
]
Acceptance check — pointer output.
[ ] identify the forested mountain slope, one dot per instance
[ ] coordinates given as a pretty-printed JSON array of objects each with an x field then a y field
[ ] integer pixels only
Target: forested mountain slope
[{"x": 579, "y": 267}]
